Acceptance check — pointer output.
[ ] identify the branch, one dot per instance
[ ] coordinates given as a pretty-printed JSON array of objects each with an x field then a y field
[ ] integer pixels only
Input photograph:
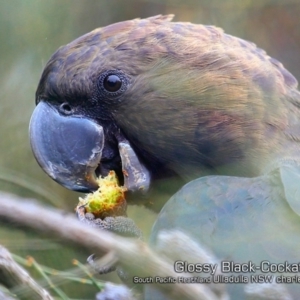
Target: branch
[
  {"x": 135, "y": 255},
  {"x": 12, "y": 275}
]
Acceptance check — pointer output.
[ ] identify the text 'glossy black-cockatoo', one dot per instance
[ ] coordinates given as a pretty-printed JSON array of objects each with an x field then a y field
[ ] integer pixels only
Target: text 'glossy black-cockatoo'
[{"x": 154, "y": 99}]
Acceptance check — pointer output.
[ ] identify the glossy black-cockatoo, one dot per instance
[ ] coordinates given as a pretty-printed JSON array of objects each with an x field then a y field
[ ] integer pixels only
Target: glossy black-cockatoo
[{"x": 154, "y": 99}]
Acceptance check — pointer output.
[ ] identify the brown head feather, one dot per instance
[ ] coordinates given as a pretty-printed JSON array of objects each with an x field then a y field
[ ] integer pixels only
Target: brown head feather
[{"x": 223, "y": 98}]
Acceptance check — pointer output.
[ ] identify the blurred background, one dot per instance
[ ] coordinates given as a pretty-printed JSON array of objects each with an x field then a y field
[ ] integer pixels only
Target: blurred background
[{"x": 32, "y": 30}]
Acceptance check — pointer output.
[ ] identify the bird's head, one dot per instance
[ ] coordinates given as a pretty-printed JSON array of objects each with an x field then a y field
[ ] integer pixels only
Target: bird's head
[{"x": 73, "y": 131}]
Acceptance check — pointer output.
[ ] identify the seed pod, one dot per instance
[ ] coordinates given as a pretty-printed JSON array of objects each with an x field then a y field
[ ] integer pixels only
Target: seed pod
[{"x": 108, "y": 200}]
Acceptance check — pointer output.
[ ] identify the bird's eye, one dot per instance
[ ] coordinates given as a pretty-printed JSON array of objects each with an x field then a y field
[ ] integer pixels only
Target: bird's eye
[
  {"x": 112, "y": 83},
  {"x": 65, "y": 108}
]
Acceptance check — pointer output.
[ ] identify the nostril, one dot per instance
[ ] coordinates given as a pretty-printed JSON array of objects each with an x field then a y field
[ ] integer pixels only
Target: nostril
[{"x": 65, "y": 108}]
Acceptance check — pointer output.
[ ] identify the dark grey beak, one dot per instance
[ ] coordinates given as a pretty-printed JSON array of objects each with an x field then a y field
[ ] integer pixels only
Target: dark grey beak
[{"x": 68, "y": 148}]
